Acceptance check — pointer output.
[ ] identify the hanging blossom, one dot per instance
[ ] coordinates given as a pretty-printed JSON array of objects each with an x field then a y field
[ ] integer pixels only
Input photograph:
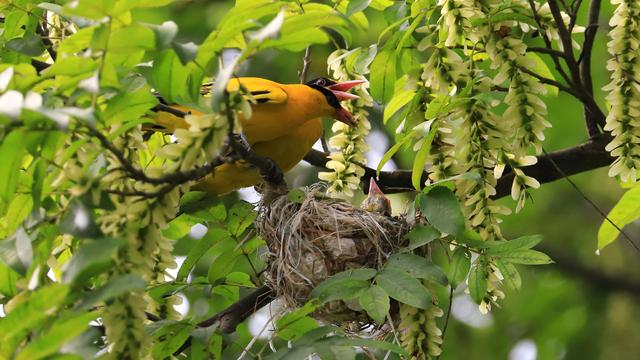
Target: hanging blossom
[
  {"x": 623, "y": 120},
  {"x": 350, "y": 142},
  {"x": 147, "y": 253},
  {"x": 550, "y": 27},
  {"x": 419, "y": 332},
  {"x": 494, "y": 281}
]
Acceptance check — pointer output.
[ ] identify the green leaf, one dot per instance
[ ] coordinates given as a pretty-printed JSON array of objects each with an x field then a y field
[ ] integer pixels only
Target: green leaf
[
  {"x": 226, "y": 259},
  {"x": 39, "y": 305},
  {"x": 16, "y": 251},
  {"x": 63, "y": 329},
  {"x": 39, "y": 174},
  {"x": 11, "y": 153},
  {"x": 212, "y": 237},
  {"x": 353, "y": 274},
  {"x": 241, "y": 216},
  {"x": 130, "y": 105},
  {"x": 478, "y": 281},
  {"x": 297, "y": 40},
  {"x": 169, "y": 337},
  {"x": 179, "y": 227},
  {"x": 521, "y": 243},
  {"x": 368, "y": 343},
  {"x": 510, "y": 274},
  {"x": 296, "y": 323},
  {"x": 440, "y": 206},
  {"x": 526, "y": 257},
  {"x": 19, "y": 209},
  {"x": 541, "y": 68},
  {"x": 417, "y": 267},
  {"x": 271, "y": 30},
  {"x": 383, "y": 75},
  {"x": 205, "y": 209},
  {"x": 116, "y": 286},
  {"x": 8, "y": 279},
  {"x": 342, "y": 289},
  {"x": 402, "y": 287},
  {"x": 626, "y": 211},
  {"x": 131, "y": 38},
  {"x": 459, "y": 267},
  {"x": 399, "y": 100},
  {"x": 91, "y": 9},
  {"x": 421, "y": 158},
  {"x": 355, "y": 6},
  {"x": 421, "y": 235},
  {"x": 174, "y": 81},
  {"x": 93, "y": 258},
  {"x": 375, "y": 302},
  {"x": 30, "y": 45},
  {"x": 394, "y": 149},
  {"x": 71, "y": 66}
]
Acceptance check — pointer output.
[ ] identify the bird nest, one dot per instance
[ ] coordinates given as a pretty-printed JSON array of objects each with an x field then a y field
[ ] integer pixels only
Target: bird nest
[{"x": 316, "y": 237}]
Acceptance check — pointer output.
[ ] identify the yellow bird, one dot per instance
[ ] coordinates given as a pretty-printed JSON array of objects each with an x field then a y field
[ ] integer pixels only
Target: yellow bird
[{"x": 286, "y": 121}]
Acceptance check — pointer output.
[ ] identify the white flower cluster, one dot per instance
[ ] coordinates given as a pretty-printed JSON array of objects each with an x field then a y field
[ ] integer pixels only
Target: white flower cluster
[
  {"x": 139, "y": 221},
  {"x": 347, "y": 160},
  {"x": 419, "y": 333},
  {"x": 494, "y": 281},
  {"x": 623, "y": 119}
]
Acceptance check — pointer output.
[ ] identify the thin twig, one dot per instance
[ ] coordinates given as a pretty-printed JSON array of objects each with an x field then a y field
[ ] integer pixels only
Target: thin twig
[
  {"x": 306, "y": 62},
  {"x": 544, "y": 50},
  {"x": 547, "y": 41},
  {"x": 565, "y": 39},
  {"x": 448, "y": 316},
  {"x": 552, "y": 82}
]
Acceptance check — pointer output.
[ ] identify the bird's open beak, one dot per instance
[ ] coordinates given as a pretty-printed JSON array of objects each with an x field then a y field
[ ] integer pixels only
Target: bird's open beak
[
  {"x": 345, "y": 116},
  {"x": 374, "y": 189},
  {"x": 340, "y": 89}
]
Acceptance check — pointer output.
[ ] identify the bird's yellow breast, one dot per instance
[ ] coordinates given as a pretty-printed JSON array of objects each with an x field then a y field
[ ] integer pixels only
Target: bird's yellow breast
[{"x": 286, "y": 151}]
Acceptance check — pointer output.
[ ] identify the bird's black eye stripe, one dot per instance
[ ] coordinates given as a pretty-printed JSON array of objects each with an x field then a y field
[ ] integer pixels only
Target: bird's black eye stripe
[
  {"x": 321, "y": 82},
  {"x": 262, "y": 101},
  {"x": 260, "y": 92},
  {"x": 331, "y": 97}
]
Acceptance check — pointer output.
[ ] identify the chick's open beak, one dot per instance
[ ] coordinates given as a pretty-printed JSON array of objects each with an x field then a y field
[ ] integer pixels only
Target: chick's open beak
[{"x": 340, "y": 89}]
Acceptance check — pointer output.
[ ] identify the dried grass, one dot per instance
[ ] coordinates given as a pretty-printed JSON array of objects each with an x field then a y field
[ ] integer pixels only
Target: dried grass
[{"x": 312, "y": 240}]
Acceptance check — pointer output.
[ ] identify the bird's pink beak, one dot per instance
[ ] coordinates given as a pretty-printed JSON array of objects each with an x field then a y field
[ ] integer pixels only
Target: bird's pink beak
[
  {"x": 373, "y": 187},
  {"x": 340, "y": 89}
]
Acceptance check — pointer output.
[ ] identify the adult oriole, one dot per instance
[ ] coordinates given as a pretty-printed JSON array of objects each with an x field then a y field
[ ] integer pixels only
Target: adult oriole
[{"x": 286, "y": 121}]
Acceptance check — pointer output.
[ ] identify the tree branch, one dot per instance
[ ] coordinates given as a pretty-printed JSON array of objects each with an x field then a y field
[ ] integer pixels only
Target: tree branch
[
  {"x": 547, "y": 41},
  {"x": 585, "y": 65},
  {"x": 567, "y": 46},
  {"x": 584, "y": 157}
]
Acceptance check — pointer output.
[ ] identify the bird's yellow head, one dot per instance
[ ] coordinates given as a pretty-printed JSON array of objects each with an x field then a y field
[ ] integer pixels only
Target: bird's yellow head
[{"x": 334, "y": 92}]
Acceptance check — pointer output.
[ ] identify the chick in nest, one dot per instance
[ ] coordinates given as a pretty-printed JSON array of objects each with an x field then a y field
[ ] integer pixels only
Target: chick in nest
[{"x": 376, "y": 201}]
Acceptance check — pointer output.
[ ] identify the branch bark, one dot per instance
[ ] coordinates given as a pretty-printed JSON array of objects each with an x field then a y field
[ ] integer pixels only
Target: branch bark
[
  {"x": 584, "y": 157},
  {"x": 592, "y": 120}
]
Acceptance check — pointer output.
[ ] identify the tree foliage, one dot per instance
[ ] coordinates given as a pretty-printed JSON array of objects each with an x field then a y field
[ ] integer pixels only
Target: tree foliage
[{"x": 94, "y": 211}]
